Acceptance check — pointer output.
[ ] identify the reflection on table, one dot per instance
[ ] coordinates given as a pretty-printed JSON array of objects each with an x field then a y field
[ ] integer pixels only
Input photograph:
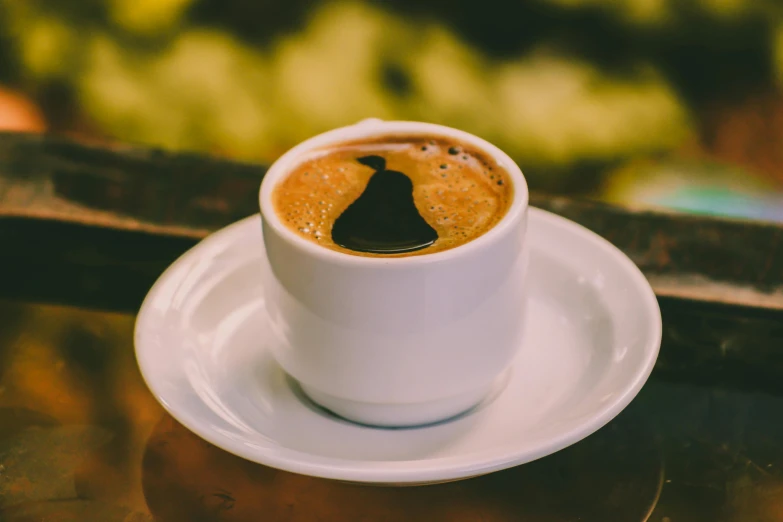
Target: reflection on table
[{"x": 81, "y": 438}]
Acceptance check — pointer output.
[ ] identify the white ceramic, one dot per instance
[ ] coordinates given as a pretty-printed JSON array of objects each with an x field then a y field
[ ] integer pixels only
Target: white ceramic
[
  {"x": 395, "y": 341},
  {"x": 593, "y": 335}
]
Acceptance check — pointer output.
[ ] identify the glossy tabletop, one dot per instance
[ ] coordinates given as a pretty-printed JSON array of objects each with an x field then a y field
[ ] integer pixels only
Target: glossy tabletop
[{"x": 81, "y": 438}]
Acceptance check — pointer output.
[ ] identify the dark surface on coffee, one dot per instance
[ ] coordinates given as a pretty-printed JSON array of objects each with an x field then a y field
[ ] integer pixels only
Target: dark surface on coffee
[
  {"x": 384, "y": 219},
  {"x": 394, "y": 196}
]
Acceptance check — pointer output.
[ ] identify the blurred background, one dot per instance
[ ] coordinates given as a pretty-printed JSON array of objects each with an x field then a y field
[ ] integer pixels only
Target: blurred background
[{"x": 672, "y": 103}]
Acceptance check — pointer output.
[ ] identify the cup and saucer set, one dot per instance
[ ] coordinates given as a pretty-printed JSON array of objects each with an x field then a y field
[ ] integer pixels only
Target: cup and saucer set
[{"x": 398, "y": 371}]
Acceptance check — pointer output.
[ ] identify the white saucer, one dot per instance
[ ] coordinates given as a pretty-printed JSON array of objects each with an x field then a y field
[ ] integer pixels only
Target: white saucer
[{"x": 593, "y": 337}]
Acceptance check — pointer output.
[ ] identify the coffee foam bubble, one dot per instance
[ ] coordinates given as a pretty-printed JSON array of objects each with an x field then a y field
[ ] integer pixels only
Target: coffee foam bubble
[{"x": 460, "y": 192}]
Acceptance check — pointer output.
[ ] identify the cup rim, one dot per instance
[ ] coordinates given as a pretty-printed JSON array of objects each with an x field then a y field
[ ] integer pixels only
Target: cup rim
[{"x": 372, "y": 128}]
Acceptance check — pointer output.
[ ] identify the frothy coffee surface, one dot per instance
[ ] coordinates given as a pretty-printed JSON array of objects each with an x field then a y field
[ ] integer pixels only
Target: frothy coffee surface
[{"x": 394, "y": 196}]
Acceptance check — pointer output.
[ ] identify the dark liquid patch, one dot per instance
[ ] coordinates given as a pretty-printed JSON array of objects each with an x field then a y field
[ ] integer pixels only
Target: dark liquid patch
[
  {"x": 460, "y": 202},
  {"x": 384, "y": 219}
]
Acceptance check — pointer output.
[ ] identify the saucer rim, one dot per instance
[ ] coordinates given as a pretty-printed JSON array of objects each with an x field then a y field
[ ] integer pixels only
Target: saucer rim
[{"x": 419, "y": 471}]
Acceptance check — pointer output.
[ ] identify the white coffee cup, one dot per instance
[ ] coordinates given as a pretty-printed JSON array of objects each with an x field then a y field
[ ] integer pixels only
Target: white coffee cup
[{"x": 396, "y": 341}]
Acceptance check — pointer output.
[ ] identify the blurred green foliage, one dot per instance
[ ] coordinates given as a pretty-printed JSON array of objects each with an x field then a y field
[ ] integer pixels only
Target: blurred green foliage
[{"x": 565, "y": 86}]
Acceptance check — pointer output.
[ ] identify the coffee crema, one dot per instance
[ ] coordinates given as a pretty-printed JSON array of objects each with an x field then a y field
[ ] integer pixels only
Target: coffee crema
[{"x": 394, "y": 196}]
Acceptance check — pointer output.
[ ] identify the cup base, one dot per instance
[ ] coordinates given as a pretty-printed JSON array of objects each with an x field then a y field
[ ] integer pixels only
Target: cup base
[{"x": 406, "y": 415}]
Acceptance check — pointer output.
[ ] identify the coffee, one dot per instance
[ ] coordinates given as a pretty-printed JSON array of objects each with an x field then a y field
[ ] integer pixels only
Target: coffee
[{"x": 394, "y": 196}]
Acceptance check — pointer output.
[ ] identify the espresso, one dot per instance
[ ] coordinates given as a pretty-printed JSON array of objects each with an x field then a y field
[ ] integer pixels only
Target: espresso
[{"x": 394, "y": 196}]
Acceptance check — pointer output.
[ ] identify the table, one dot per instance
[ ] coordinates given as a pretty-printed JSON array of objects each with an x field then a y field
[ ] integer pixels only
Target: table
[{"x": 85, "y": 231}]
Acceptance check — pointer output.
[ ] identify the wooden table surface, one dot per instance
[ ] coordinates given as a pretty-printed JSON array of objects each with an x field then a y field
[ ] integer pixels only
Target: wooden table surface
[{"x": 85, "y": 231}]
